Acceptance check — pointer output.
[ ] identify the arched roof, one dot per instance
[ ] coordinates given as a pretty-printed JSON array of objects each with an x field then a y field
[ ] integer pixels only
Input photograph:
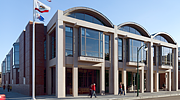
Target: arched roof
[
  {"x": 166, "y": 36},
  {"x": 92, "y": 12},
  {"x": 136, "y": 26}
]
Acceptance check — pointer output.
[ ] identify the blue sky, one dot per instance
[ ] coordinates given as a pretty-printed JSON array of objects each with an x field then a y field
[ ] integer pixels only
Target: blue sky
[{"x": 153, "y": 15}]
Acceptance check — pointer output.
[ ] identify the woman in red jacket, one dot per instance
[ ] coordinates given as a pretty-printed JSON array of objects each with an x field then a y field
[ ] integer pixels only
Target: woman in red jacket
[{"x": 93, "y": 90}]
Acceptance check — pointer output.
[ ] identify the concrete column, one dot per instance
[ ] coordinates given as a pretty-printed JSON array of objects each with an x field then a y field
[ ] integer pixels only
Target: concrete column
[
  {"x": 124, "y": 78},
  {"x": 102, "y": 71},
  {"x": 116, "y": 71},
  {"x": 175, "y": 69},
  {"x": 142, "y": 80},
  {"x": 111, "y": 70},
  {"x": 169, "y": 80},
  {"x": 132, "y": 78},
  {"x": 166, "y": 80},
  {"x": 60, "y": 57},
  {"x": 75, "y": 63},
  {"x": 157, "y": 81},
  {"x": 124, "y": 65},
  {"x": 102, "y": 79},
  {"x": 157, "y": 69},
  {"x": 150, "y": 66}
]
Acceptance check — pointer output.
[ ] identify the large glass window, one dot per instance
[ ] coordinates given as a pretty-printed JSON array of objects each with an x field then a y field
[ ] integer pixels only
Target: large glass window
[
  {"x": 86, "y": 17},
  {"x": 4, "y": 67},
  {"x": 91, "y": 43},
  {"x": 166, "y": 56},
  {"x": 158, "y": 37},
  {"x": 130, "y": 29},
  {"x": 133, "y": 44},
  {"x": 53, "y": 44},
  {"x": 16, "y": 55},
  {"x": 8, "y": 62},
  {"x": 69, "y": 41},
  {"x": 107, "y": 43},
  {"x": 119, "y": 49}
]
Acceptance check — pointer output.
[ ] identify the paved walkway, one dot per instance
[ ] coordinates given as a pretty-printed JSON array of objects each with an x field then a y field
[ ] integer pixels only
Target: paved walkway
[{"x": 128, "y": 96}]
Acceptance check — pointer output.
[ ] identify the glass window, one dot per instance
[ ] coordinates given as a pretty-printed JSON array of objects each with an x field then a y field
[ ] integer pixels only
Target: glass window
[
  {"x": 86, "y": 17},
  {"x": 130, "y": 29},
  {"x": 107, "y": 39},
  {"x": 158, "y": 37},
  {"x": 166, "y": 56},
  {"x": 133, "y": 45},
  {"x": 119, "y": 49},
  {"x": 16, "y": 55},
  {"x": 91, "y": 44},
  {"x": 4, "y": 67},
  {"x": 69, "y": 41},
  {"x": 53, "y": 44}
]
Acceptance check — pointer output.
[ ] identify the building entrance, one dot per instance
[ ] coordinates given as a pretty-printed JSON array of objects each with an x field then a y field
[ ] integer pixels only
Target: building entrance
[{"x": 86, "y": 77}]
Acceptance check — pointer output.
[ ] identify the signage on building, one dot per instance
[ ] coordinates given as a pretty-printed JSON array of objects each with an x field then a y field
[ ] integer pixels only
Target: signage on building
[{"x": 90, "y": 59}]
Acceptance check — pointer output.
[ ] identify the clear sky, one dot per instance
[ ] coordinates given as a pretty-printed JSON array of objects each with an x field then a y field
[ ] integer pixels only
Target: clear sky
[{"x": 153, "y": 15}]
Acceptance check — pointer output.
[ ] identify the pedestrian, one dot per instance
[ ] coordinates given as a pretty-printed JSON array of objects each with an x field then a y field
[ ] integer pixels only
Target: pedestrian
[
  {"x": 8, "y": 87},
  {"x": 90, "y": 90},
  {"x": 123, "y": 88},
  {"x": 93, "y": 90},
  {"x": 120, "y": 88},
  {"x": 4, "y": 87}
]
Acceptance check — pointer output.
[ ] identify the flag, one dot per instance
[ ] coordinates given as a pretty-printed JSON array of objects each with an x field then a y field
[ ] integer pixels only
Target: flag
[
  {"x": 39, "y": 6},
  {"x": 49, "y": 0},
  {"x": 38, "y": 16}
]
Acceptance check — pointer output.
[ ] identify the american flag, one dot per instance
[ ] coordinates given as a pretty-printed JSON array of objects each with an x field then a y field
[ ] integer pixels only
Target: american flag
[{"x": 49, "y": 0}]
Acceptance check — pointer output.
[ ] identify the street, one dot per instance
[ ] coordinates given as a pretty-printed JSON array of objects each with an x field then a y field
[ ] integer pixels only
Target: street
[{"x": 164, "y": 98}]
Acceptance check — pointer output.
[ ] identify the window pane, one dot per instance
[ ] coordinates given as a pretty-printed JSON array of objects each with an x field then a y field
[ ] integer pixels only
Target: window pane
[
  {"x": 92, "y": 45},
  {"x": 69, "y": 32},
  {"x": 83, "y": 31},
  {"x": 93, "y": 54},
  {"x": 83, "y": 43},
  {"x": 88, "y": 18},
  {"x": 92, "y": 34},
  {"x": 101, "y": 46},
  {"x": 97, "y": 21},
  {"x": 80, "y": 16},
  {"x": 69, "y": 53},
  {"x": 69, "y": 43}
]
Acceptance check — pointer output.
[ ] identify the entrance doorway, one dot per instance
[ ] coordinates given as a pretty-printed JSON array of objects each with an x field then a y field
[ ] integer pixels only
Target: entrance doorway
[
  {"x": 53, "y": 80},
  {"x": 86, "y": 77}
]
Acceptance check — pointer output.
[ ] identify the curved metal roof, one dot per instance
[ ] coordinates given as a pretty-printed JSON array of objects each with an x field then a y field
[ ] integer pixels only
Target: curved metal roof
[
  {"x": 136, "y": 26},
  {"x": 92, "y": 12},
  {"x": 166, "y": 36}
]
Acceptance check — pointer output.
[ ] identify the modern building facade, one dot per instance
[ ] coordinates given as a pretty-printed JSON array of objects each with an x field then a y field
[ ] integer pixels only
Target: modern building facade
[{"x": 81, "y": 46}]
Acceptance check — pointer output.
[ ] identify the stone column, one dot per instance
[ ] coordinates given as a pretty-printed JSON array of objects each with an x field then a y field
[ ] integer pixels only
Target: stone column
[
  {"x": 169, "y": 80},
  {"x": 116, "y": 71},
  {"x": 175, "y": 69},
  {"x": 150, "y": 66},
  {"x": 142, "y": 80},
  {"x": 157, "y": 70},
  {"x": 166, "y": 80},
  {"x": 132, "y": 78},
  {"x": 124, "y": 78},
  {"x": 124, "y": 64},
  {"x": 60, "y": 57},
  {"x": 75, "y": 63},
  {"x": 102, "y": 71},
  {"x": 111, "y": 70}
]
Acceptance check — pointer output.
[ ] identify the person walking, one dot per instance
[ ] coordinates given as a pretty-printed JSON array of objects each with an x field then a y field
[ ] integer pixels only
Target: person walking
[
  {"x": 93, "y": 90},
  {"x": 90, "y": 90},
  {"x": 120, "y": 88},
  {"x": 8, "y": 87},
  {"x": 123, "y": 89}
]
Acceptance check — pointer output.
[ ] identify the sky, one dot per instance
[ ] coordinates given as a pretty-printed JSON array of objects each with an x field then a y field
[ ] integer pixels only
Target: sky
[{"x": 154, "y": 15}]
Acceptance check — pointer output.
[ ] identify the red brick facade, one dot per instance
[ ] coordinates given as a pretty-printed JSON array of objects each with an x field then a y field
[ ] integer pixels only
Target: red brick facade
[{"x": 25, "y": 62}]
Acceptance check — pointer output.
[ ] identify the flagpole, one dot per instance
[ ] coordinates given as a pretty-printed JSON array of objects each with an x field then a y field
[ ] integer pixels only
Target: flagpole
[{"x": 33, "y": 56}]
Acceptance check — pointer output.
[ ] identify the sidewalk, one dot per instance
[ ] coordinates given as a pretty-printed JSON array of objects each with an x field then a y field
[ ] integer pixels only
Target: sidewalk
[{"x": 128, "y": 96}]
